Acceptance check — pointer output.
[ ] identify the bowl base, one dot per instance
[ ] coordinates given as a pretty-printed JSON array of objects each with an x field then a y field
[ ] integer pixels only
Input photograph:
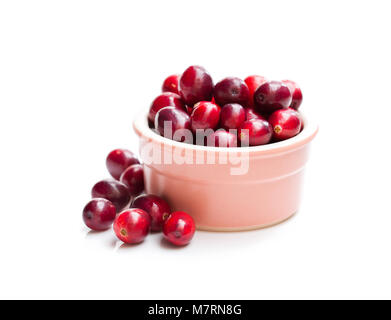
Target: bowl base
[{"x": 247, "y": 228}]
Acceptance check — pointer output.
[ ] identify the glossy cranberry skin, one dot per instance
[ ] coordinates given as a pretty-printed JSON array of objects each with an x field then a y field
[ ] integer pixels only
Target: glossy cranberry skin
[
  {"x": 132, "y": 225},
  {"x": 255, "y": 132},
  {"x": 253, "y": 83},
  {"x": 133, "y": 178},
  {"x": 118, "y": 160},
  {"x": 232, "y": 116},
  {"x": 179, "y": 121},
  {"x": 112, "y": 190},
  {"x": 179, "y": 228},
  {"x": 251, "y": 114},
  {"x": 205, "y": 115},
  {"x": 271, "y": 96},
  {"x": 156, "y": 207},
  {"x": 166, "y": 99},
  {"x": 99, "y": 214},
  {"x": 231, "y": 90},
  {"x": 297, "y": 96},
  {"x": 171, "y": 84},
  {"x": 195, "y": 85},
  {"x": 286, "y": 123},
  {"x": 222, "y": 139}
]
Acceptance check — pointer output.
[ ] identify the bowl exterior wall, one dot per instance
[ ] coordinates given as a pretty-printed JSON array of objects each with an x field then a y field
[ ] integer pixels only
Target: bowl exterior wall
[{"x": 267, "y": 193}]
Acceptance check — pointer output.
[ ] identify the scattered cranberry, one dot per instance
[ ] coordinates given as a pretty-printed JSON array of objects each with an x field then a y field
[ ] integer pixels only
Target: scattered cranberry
[
  {"x": 112, "y": 190},
  {"x": 132, "y": 225},
  {"x": 179, "y": 228},
  {"x": 253, "y": 83},
  {"x": 251, "y": 114},
  {"x": 172, "y": 123},
  {"x": 232, "y": 116},
  {"x": 231, "y": 90},
  {"x": 133, "y": 177},
  {"x": 222, "y": 138},
  {"x": 205, "y": 115},
  {"x": 99, "y": 214},
  {"x": 297, "y": 96},
  {"x": 286, "y": 123},
  {"x": 118, "y": 160},
  {"x": 195, "y": 85},
  {"x": 255, "y": 132},
  {"x": 171, "y": 84},
  {"x": 156, "y": 207},
  {"x": 271, "y": 96},
  {"x": 166, "y": 99}
]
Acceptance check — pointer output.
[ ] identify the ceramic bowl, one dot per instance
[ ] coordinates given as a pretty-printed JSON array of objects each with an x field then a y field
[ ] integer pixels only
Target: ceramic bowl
[{"x": 226, "y": 189}]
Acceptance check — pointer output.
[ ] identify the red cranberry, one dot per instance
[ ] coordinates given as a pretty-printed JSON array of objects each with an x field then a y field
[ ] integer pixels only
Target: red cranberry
[
  {"x": 271, "y": 96},
  {"x": 132, "y": 225},
  {"x": 99, "y": 214},
  {"x": 112, "y": 190},
  {"x": 231, "y": 90},
  {"x": 179, "y": 228},
  {"x": 171, "y": 84},
  {"x": 222, "y": 138},
  {"x": 195, "y": 85},
  {"x": 253, "y": 83},
  {"x": 166, "y": 99},
  {"x": 133, "y": 177},
  {"x": 232, "y": 116},
  {"x": 286, "y": 123},
  {"x": 297, "y": 96},
  {"x": 157, "y": 208},
  {"x": 118, "y": 160},
  {"x": 177, "y": 122},
  {"x": 205, "y": 115},
  {"x": 251, "y": 114},
  {"x": 255, "y": 132}
]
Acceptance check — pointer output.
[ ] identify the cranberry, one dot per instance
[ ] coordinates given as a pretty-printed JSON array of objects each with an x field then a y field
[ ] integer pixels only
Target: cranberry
[
  {"x": 297, "y": 96},
  {"x": 253, "y": 83},
  {"x": 271, "y": 96},
  {"x": 286, "y": 123},
  {"x": 166, "y": 99},
  {"x": 132, "y": 225},
  {"x": 251, "y": 114},
  {"x": 171, "y": 84},
  {"x": 112, "y": 190},
  {"x": 231, "y": 90},
  {"x": 255, "y": 132},
  {"x": 118, "y": 160},
  {"x": 157, "y": 208},
  {"x": 99, "y": 214},
  {"x": 222, "y": 138},
  {"x": 205, "y": 115},
  {"x": 195, "y": 85},
  {"x": 172, "y": 123},
  {"x": 232, "y": 116},
  {"x": 179, "y": 228},
  {"x": 133, "y": 177}
]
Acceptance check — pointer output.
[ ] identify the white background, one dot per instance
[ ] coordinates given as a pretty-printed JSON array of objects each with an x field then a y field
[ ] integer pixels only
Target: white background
[{"x": 73, "y": 74}]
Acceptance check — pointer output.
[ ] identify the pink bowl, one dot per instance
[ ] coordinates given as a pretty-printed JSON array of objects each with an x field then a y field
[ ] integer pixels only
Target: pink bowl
[{"x": 222, "y": 195}]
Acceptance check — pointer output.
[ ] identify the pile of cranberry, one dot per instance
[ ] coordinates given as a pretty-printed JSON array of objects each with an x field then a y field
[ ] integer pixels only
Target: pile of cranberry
[
  {"x": 241, "y": 113},
  {"x": 110, "y": 205}
]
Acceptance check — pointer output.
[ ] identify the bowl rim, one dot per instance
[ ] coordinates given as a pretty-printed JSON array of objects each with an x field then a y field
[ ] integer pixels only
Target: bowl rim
[{"x": 310, "y": 129}]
